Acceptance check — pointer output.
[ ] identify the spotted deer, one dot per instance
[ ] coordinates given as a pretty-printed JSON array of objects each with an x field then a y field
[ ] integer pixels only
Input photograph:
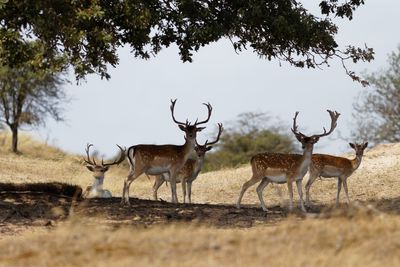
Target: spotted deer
[
  {"x": 158, "y": 159},
  {"x": 190, "y": 170},
  {"x": 285, "y": 168},
  {"x": 328, "y": 166},
  {"x": 99, "y": 170}
]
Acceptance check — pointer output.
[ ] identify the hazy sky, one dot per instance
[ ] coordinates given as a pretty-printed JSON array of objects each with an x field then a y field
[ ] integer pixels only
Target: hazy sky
[{"x": 133, "y": 106}]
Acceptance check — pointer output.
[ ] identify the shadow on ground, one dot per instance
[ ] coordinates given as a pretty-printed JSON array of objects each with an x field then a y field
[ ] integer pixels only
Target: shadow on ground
[{"x": 19, "y": 211}]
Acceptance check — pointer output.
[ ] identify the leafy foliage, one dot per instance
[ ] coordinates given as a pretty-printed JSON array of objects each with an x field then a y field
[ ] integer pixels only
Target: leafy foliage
[
  {"x": 29, "y": 93},
  {"x": 90, "y": 32},
  {"x": 250, "y": 134},
  {"x": 377, "y": 110}
]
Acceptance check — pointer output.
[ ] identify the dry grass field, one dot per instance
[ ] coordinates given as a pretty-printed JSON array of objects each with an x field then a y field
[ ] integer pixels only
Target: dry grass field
[{"x": 41, "y": 230}]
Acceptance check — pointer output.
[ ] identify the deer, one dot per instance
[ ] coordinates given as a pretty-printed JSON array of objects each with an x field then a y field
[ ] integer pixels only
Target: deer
[
  {"x": 190, "y": 170},
  {"x": 99, "y": 170},
  {"x": 158, "y": 159},
  {"x": 285, "y": 168},
  {"x": 328, "y": 166}
]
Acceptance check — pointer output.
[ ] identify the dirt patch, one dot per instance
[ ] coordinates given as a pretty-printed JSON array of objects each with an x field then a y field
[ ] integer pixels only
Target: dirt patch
[
  {"x": 20, "y": 211},
  {"x": 23, "y": 211}
]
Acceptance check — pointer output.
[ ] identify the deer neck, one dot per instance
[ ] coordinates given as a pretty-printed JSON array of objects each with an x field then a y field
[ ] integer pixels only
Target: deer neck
[
  {"x": 199, "y": 164},
  {"x": 97, "y": 184},
  {"x": 188, "y": 147},
  {"x": 355, "y": 163},
  {"x": 306, "y": 158}
]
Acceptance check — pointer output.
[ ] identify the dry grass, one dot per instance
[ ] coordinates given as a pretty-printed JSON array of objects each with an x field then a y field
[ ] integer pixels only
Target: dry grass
[
  {"x": 375, "y": 179},
  {"x": 363, "y": 238}
]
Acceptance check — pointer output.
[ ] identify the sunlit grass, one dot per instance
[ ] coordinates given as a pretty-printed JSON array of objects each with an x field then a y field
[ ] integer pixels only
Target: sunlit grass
[{"x": 363, "y": 237}]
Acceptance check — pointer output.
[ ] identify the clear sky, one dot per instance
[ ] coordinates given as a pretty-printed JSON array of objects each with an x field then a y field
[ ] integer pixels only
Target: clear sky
[{"x": 133, "y": 106}]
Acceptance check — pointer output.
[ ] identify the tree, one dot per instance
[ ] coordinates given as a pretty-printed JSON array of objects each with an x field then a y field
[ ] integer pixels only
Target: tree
[
  {"x": 90, "y": 32},
  {"x": 28, "y": 94},
  {"x": 250, "y": 134},
  {"x": 377, "y": 109}
]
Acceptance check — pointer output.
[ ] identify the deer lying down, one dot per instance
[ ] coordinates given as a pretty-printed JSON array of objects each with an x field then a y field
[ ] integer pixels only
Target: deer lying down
[
  {"x": 96, "y": 189},
  {"x": 328, "y": 166},
  {"x": 189, "y": 171}
]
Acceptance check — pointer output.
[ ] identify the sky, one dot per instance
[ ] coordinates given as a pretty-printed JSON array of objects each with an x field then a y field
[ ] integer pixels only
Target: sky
[{"x": 133, "y": 106}]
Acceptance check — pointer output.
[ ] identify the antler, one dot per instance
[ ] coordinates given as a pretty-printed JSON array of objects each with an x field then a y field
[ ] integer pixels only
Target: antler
[
  {"x": 93, "y": 162},
  {"x": 172, "y": 107},
  {"x": 209, "y": 108},
  {"x": 296, "y": 132},
  {"x": 334, "y": 116},
  {"x": 220, "y": 129},
  {"x": 117, "y": 161},
  {"x": 88, "y": 161}
]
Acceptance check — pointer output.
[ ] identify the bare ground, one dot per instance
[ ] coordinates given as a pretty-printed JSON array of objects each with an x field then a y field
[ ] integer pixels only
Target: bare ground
[
  {"x": 34, "y": 211},
  {"x": 21, "y": 211}
]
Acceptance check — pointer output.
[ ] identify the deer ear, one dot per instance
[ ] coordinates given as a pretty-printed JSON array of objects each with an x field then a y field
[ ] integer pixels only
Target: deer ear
[
  {"x": 209, "y": 148},
  {"x": 90, "y": 168},
  {"x": 199, "y": 129},
  {"x": 351, "y": 145},
  {"x": 365, "y": 145},
  {"x": 183, "y": 128}
]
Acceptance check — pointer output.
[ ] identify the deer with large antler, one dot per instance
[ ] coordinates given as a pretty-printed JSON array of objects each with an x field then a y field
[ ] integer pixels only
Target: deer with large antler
[
  {"x": 190, "y": 170},
  {"x": 99, "y": 170},
  {"x": 158, "y": 159},
  {"x": 328, "y": 166},
  {"x": 285, "y": 168}
]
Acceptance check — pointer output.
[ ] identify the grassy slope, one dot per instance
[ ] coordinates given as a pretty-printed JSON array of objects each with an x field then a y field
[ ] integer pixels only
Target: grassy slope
[
  {"x": 362, "y": 238},
  {"x": 375, "y": 179}
]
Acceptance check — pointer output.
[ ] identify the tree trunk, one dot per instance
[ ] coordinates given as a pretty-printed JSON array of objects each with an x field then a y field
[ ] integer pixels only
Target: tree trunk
[{"x": 14, "y": 143}]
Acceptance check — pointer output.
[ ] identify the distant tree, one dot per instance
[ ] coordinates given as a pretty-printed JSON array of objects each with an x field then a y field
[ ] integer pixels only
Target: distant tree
[
  {"x": 377, "y": 109},
  {"x": 90, "y": 32},
  {"x": 28, "y": 94},
  {"x": 250, "y": 134}
]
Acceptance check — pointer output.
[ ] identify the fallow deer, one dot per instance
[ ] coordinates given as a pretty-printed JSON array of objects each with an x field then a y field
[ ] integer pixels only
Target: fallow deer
[
  {"x": 285, "y": 168},
  {"x": 190, "y": 170},
  {"x": 328, "y": 166},
  {"x": 158, "y": 159},
  {"x": 99, "y": 170}
]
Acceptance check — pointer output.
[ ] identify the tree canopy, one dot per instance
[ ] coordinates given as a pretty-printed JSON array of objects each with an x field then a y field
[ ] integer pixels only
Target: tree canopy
[
  {"x": 377, "y": 110},
  {"x": 30, "y": 92},
  {"x": 89, "y": 32}
]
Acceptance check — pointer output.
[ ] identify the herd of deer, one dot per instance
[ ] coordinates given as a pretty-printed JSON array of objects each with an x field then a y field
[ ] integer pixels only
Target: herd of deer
[{"x": 175, "y": 164}]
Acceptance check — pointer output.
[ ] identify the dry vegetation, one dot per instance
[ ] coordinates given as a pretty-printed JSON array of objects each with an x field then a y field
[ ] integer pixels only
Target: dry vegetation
[{"x": 101, "y": 233}]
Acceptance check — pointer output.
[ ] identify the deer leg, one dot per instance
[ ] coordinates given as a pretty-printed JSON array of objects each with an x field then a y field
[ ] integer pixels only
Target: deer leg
[
  {"x": 189, "y": 187},
  {"x": 311, "y": 179},
  {"x": 245, "y": 186},
  {"x": 339, "y": 187},
  {"x": 290, "y": 191},
  {"x": 260, "y": 189},
  {"x": 300, "y": 191},
  {"x": 127, "y": 183},
  {"x": 184, "y": 190},
  {"x": 173, "y": 186},
  {"x": 157, "y": 183},
  {"x": 124, "y": 199},
  {"x": 344, "y": 181}
]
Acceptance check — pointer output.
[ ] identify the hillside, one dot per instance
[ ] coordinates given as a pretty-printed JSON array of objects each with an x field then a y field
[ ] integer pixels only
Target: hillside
[
  {"x": 40, "y": 230},
  {"x": 376, "y": 178}
]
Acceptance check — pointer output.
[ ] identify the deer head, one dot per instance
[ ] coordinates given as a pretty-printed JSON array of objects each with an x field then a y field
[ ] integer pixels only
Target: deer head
[
  {"x": 202, "y": 149},
  {"x": 189, "y": 129},
  {"x": 99, "y": 169},
  {"x": 359, "y": 148},
  {"x": 309, "y": 141}
]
